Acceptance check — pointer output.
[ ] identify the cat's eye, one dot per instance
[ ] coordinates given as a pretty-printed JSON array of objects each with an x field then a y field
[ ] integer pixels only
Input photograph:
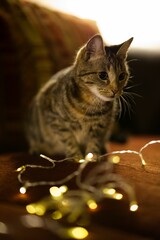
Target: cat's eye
[
  {"x": 103, "y": 75},
  {"x": 122, "y": 76}
]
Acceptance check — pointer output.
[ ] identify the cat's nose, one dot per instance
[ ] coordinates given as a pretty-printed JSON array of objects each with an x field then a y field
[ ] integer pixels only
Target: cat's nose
[{"x": 115, "y": 91}]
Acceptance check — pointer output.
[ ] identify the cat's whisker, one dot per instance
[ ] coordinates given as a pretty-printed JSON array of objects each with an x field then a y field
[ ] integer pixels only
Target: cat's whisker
[
  {"x": 131, "y": 81},
  {"x": 131, "y": 95},
  {"x": 123, "y": 106},
  {"x": 132, "y": 86},
  {"x": 126, "y": 105},
  {"x": 120, "y": 107},
  {"x": 133, "y": 60},
  {"x": 130, "y": 77}
]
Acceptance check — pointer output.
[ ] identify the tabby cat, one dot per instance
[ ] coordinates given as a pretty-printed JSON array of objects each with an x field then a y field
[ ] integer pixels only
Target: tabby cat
[{"x": 74, "y": 112}]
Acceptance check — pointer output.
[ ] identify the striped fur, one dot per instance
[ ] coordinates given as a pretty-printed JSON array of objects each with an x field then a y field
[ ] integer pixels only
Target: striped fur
[{"x": 74, "y": 112}]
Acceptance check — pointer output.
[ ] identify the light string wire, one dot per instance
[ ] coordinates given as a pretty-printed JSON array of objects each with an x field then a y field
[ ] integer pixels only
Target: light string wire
[
  {"x": 139, "y": 153},
  {"x": 27, "y": 184},
  {"x": 99, "y": 183}
]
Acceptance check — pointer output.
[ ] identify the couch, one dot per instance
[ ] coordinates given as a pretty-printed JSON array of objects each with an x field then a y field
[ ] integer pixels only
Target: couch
[{"x": 35, "y": 42}]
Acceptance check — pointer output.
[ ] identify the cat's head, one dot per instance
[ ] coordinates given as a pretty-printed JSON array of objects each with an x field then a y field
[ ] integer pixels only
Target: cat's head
[{"x": 103, "y": 69}]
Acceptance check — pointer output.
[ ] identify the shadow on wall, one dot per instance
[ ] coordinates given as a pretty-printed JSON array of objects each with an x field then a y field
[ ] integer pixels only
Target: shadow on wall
[{"x": 144, "y": 117}]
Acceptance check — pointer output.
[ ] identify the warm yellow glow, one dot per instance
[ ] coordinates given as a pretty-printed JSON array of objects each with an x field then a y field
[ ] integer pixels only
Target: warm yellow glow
[
  {"x": 63, "y": 189},
  {"x": 133, "y": 206},
  {"x": 20, "y": 168},
  {"x": 78, "y": 233},
  {"x": 117, "y": 20},
  {"x": 81, "y": 160},
  {"x": 38, "y": 209},
  {"x": 118, "y": 196},
  {"x": 31, "y": 208},
  {"x": 57, "y": 215},
  {"x": 22, "y": 190},
  {"x": 109, "y": 191},
  {"x": 115, "y": 159},
  {"x": 55, "y": 192},
  {"x": 92, "y": 204},
  {"x": 89, "y": 156}
]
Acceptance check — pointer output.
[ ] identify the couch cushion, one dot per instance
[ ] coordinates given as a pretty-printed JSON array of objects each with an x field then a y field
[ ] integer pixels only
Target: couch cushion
[
  {"x": 35, "y": 42},
  {"x": 112, "y": 219}
]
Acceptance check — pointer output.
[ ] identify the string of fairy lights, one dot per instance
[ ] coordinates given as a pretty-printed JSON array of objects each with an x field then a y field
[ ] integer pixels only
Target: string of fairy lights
[{"x": 71, "y": 205}]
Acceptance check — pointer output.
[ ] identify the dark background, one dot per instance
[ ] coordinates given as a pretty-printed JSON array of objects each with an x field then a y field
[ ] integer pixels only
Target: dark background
[{"x": 144, "y": 114}]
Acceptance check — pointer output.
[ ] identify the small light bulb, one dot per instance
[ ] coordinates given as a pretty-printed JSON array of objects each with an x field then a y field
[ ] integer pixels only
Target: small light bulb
[
  {"x": 57, "y": 215},
  {"x": 89, "y": 156},
  {"x": 31, "y": 208},
  {"x": 20, "y": 169},
  {"x": 133, "y": 206},
  {"x": 81, "y": 160},
  {"x": 63, "y": 189},
  {"x": 92, "y": 204},
  {"x": 115, "y": 159},
  {"x": 118, "y": 196},
  {"x": 22, "y": 190},
  {"x": 55, "y": 192},
  {"x": 77, "y": 232},
  {"x": 35, "y": 208},
  {"x": 40, "y": 209},
  {"x": 109, "y": 191}
]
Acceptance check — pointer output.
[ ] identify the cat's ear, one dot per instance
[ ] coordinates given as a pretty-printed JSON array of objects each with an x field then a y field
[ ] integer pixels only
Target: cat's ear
[
  {"x": 94, "y": 47},
  {"x": 122, "y": 51}
]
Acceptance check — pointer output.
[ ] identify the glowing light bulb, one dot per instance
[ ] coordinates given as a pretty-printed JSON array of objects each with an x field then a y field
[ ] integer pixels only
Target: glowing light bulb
[
  {"x": 63, "y": 189},
  {"x": 38, "y": 209},
  {"x": 31, "y": 208},
  {"x": 89, "y": 156},
  {"x": 20, "y": 169},
  {"x": 55, "y": 192},
  {"x": 92, "y": 204},
  {"x": 109, "y": 191},
  {"x": 78, "y": 233},
  {"x": 118, "y": 196},
  {"x": 22, "y": 190},
  {"x": 57, "y": 215},
  {"x": 115, "y": 159},
  {"x": 81, "y": 160},
  {"x": 133, "y": 206}
]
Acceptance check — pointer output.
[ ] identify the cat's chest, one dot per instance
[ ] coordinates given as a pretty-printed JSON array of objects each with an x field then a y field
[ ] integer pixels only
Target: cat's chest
[
  {"x": 81, "y": 134},
  {"x": 82, "y": 129}
]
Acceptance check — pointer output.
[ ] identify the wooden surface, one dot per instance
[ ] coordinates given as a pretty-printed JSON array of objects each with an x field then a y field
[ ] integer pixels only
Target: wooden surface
[{"x": 113, "y": 220}]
